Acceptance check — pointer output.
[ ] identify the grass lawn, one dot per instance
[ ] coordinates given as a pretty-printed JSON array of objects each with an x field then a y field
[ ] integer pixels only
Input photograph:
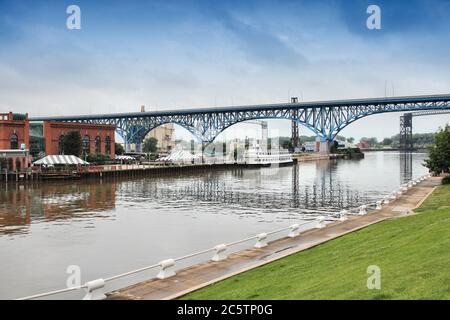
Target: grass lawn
[{"x": 413, "y": 254}]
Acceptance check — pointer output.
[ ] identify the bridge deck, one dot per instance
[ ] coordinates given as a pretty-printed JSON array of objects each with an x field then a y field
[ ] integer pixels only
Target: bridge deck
[
  {"x": 329, "y": 103},
  {"x": 201, "y": 275},
  {"x": 324, "y": 118}
]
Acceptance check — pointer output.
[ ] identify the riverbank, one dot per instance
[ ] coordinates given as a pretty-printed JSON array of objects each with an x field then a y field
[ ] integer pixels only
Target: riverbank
[
  {"x": 394, "y": 149},
  {"x": 115, "y": 170},
  {"x": 205, "y": 275},
  {"x": 303, "y": 157},
  {"x": 411, "y": 252},
  {"x": 157, "y": 168}
]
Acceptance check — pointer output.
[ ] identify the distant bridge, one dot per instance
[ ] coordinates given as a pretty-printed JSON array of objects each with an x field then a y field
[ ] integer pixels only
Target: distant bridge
[
  {"x": 406, "y": 127},
  {"x": 325, "y": 118}
]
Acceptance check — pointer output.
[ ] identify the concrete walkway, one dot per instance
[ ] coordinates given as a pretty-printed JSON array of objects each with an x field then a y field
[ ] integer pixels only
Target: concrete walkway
[{"x": 201, "y": 275}]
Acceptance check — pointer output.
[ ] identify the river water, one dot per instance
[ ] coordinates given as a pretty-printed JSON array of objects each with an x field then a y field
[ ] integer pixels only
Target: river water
[{"x": 111, "y": 226}]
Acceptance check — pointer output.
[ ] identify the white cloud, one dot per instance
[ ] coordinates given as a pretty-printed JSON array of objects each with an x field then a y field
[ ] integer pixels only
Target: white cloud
[{"x": 244, "y": 58}]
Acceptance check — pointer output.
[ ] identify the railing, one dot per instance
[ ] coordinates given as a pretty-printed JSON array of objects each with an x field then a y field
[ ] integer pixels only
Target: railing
[{"x": 95, "y": 289}]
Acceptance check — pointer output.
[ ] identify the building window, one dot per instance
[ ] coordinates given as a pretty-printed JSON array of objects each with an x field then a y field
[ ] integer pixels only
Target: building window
[
  {"x": 86, "y": 145},
  {"x": 14, "y": 140},
  {"x": 61, "y": 144},
  {"x": 108, "y": 145},
  {"x": 98, "y": 148}
]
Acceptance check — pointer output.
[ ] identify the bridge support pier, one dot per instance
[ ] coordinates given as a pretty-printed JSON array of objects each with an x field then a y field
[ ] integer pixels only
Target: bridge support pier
[{"x": 324, "y": 147}]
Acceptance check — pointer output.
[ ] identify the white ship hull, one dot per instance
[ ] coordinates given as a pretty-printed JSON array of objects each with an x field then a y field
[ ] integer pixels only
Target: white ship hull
[{"x": 255, "y": 157}]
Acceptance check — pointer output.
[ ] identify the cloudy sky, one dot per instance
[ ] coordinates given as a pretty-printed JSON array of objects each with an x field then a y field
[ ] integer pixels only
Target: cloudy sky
[{"x": 180, "y": 54}]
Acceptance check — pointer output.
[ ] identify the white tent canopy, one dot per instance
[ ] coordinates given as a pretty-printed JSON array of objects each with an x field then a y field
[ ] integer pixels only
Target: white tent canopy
[
  {"x": 125, "y": 158},
  {"x": 180, "y": 155},
  {"x": 61, "y": 159}
]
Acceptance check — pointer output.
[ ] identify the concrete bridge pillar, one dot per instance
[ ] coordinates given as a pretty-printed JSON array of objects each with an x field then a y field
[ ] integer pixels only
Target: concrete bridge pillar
[{"x": 325, "y": 146}]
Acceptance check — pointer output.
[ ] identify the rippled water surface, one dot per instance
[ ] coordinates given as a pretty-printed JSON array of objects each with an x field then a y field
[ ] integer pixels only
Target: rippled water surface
[{"x": 114, "y": 225}]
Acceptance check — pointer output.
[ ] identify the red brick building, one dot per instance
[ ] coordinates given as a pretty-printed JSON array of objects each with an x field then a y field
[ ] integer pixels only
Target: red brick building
[
  {"x": 16, "y": 136},
  {"x": 96, "y": 138},
  {"x": 363, "y": 144},
  {"x": 14, "y": 142},
  {"x": 14, "y": 131}
]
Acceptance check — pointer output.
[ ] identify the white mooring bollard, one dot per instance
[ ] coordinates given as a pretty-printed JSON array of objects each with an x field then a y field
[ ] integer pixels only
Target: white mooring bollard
[
  {"x": 405, "y": 189},
  {"x": 386, "y": 200},
  {"x": 393, "y": 196},
  {"x": 362, "y": 210},
  {"x": 166, "y": 269},
  {"x": 379, "y": 205},
  {"x": 343, "y": 215},
  {"x": 220, "y": 253},
  {"x": 94, "y": 290},
  {"x": 261, "y": 240},
  {"x": 399, "y": 193},
  {"x": 320, "y": 222},
  {"x": 294, "y": 231}
]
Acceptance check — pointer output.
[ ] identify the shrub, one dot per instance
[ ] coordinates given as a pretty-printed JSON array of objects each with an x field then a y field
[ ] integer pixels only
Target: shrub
[
  {"x": 439, "y": 154},
  {"x": 97, "y": 158}
]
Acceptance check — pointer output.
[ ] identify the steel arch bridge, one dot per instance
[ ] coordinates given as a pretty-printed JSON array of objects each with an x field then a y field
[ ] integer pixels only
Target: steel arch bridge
[{"x": 325, "y": 118}]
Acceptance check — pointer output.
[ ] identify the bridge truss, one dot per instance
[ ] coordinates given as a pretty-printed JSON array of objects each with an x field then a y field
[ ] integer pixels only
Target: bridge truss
[
  {"x": 325, "y": 118},
  {"x": 406, "y": 126}
]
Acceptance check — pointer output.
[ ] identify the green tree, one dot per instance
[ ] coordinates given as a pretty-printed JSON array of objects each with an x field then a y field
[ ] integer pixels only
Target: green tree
[
  {"x": 119, "y": 149},
  {"x": 286, "y": 144},
  {"x": 350, "y": 140},
  {"x": 150, "y": 145},
  {"x": 423, "y": 139},
  {"x": 72, "y": 143},
  {"x": 387, "y": 141},
  {"x": 307, "y": 138},
  {"x": 420, "y": 140},
  {"x": 334, "y": 146},
  {"x": 439, "y": 154}
]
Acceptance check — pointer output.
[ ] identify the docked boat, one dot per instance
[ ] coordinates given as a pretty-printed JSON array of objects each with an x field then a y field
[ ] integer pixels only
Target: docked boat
[{"x": 259, "y": 157}]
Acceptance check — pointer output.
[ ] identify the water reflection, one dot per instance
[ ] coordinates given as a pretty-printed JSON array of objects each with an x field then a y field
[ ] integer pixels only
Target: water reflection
[
  {"x": 249, "y": 189},
  {"x": 239, "y": 189},
  {"x": 406, "y": 164},
  {"x": 318, "y": 187},
  {"x": 21, "y": 205}
]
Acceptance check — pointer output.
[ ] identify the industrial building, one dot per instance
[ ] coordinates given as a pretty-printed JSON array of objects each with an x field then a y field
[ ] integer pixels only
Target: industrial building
[{"x": 165, "y": 136}]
